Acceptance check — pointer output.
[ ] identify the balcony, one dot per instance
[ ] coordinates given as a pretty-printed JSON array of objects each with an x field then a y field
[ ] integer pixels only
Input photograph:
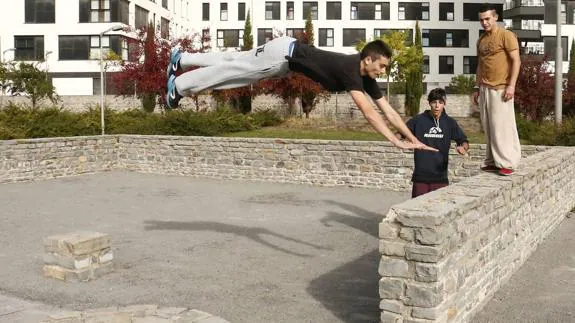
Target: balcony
[
  {"x": 527, "y": 35},
  {"x": 518, "y": 8}
]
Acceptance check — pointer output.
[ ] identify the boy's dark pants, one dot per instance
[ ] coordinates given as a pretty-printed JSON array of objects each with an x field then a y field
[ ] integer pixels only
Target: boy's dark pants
[{"x": 422, "y": 188}]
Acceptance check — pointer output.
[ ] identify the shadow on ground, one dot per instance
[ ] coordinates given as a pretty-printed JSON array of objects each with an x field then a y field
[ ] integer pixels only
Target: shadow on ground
[
  {"x": 252, "y": 233},
  {"x": 350, "y": 291}
]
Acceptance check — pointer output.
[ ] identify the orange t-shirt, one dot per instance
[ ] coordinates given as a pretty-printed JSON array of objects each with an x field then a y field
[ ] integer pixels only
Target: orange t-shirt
[{"x": 493, "y": 53}]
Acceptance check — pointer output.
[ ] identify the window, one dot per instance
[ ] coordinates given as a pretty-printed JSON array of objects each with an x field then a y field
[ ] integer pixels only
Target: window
[
  {"x": 471, "y": 11},
  {"x": 377, "y": 33},
  {"x": 141, "y": 17},
  {"x": 230, "y": 38},
  {"x": 425, "y": 38},
  {"x": 241, "y": 11},
  {"x": 325, "y": 37},
  {"x": 289, "y": 10},
  {"x": 446, "y": 11},
  {"x": 165, "y": 28},
  {"x": 223, "y": 11},
  {"x": 265, "y": 35},
  {"x": 39, "y": 11},
  {"x": 120, "y": 11},
  {"x": 273, "y": 10},
  {"x": 550, "y": 45},
  {"x": 294, "y": 32},
  {"x": 445, "y": 64},
  {"x": 369, "y": 11},
  {"x": 445, "y": 38},
  {"x": 100, "y": 11},
  {"x": 74, "y": 47},
  {"x": 413, "y": 11},
  {"x": 448, "y": 39},
  {"x": 29, "y": 48},
  {"x": 165, "y": 4},
  {"x": 469, "y": 64},
  {"x": 352, "y": 36},
  {"x": 425, "y": 66},
  {"x": 563, "y": 13},
  {"x": 310, "y": 7},
  {"x": 333, "y": 10},
  {"x": 205, "y": 11}
]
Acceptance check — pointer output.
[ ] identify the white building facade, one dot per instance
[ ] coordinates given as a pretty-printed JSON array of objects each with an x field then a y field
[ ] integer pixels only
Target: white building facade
[{"x": 65, "y": 33}]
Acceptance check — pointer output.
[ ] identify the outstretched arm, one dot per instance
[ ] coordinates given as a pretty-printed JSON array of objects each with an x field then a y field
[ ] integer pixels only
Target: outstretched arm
[
  {"x": 395, "y": 119},
  {"x": 374, "y": 118}
]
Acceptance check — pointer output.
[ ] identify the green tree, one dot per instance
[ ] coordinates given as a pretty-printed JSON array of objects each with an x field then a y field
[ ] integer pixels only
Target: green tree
[
  {"x": 28, "y": 79},
  {"x": 462, "y": 84},
  {"x": 248, "y": 37},
  {"x": 308, "y": 34},
  {"x": 413, "y": 74},
  {"x": 397, "y": 40}
]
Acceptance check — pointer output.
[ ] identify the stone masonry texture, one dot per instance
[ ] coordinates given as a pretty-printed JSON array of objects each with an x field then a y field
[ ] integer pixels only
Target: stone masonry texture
[
  {"x": 372, "y": 164},
  {"x": 461, "y": 243},
  {"x": 443, "y": 254}
]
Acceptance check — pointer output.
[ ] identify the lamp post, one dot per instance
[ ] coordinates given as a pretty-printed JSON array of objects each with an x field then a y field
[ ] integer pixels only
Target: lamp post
[
  {"x": 558, "y": 69},
  {"x": 46, "y": 60},
  {"x": 5, "y": 51},
  {"x": 113, "y": 28}
]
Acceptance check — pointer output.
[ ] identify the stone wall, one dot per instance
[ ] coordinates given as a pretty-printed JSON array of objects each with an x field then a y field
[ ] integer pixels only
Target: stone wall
[
  {"x": 445, "y": 253},
  {"x": 374, "y": 164},
  {"x": 33, "y": 159},
  {"x": 339, "y": 106}
]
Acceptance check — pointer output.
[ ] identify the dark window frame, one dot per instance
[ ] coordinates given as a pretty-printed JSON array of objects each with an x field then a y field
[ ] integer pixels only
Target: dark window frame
[
  {"x": 346, "y": 42},
  {"x": 446, "y": 68},
  {"x": 205, "y": 11},
  {"x": 221, "y": 34},
  {"x": 333, "y": 10},
  {"x": 367, "y": 10},
  {"x": 263, "y": 34},
  {"x": 312, "y": 6},
  {"x": 40, "y": 11},
  {"x": 444, "y": 9},
  {"x": 29, "y": 48},
  {"x": 274, "y": 8},
  {"x": 323, "y": 37},
  {"x": 241, "y": 11}
]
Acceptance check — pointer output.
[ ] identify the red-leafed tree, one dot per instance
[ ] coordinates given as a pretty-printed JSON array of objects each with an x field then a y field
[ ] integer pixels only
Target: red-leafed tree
[
  {"x": 534, "y": 94},
  {"x": 144, "y": 73},
  {"x": 297, "y": 85}
]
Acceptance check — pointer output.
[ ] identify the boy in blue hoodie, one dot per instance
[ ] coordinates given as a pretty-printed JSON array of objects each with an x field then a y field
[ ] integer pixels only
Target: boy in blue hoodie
[{"x": 436, "y": 129}]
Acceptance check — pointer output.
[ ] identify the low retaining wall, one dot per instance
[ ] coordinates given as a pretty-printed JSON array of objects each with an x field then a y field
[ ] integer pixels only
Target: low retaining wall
[
  {"x": 445, "y": 253},
  {"x": 374, "y": 164},
  {"x": 33, "y": 159}
]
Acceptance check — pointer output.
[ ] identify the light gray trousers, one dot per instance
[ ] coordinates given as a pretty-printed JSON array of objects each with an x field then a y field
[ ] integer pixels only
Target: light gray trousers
[
  {"x": 226, "y": 70},
  {"x": 498, "y": 120}
]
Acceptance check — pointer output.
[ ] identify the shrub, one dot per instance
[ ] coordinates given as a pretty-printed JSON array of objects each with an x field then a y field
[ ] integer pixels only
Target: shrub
[{"x": 23, "y": 122}]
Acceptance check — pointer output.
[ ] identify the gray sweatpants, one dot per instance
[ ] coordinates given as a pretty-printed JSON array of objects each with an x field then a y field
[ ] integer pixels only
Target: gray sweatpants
[{"x": 226, "y": 70}]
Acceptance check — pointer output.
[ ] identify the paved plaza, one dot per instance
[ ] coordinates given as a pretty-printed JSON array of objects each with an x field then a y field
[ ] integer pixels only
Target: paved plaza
[{"x": 244, "y": 251}]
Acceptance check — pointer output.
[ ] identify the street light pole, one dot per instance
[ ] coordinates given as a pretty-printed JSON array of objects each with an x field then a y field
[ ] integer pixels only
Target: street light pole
[
  {"x": 558, "y": 69},
  {"x": 102, "y": 124}
]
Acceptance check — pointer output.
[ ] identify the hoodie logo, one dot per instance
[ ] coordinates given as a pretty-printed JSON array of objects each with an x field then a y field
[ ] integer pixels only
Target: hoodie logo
[{"x": 434, "y": 132}]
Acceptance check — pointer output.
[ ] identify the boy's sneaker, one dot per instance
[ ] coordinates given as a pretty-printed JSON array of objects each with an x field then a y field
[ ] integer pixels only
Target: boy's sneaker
[
  {"x": 172, "y": 97},
  {"x": 505, "y": 171},
  {"x": 174, "y": 64},
  {"x": 490, "y": 168}
]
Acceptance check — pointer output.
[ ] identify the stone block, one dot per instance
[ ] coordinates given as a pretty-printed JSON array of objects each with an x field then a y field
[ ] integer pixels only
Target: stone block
[
  {"x": 421, "y": 295},
  {"x": 68, "y": 261},
  {"x": 393, "y": 267},
  {"x": 387, "y": 317},
  {"x": 65, "y": 317},
  {"x": 390, "y": 288},
  {"x": 77, "y": 243},
  {"x": 391, "y": 306}
]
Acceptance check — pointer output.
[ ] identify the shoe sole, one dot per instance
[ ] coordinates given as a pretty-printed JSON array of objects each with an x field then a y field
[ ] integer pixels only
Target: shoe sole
[{"x": 172, "y": 68}]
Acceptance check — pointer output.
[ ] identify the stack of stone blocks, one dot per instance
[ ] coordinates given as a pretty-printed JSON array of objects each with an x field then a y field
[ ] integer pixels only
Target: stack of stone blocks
[{"x": 78, "y": 256}]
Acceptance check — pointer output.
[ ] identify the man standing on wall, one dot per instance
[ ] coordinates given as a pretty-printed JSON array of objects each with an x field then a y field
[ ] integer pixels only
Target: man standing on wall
[{"x": 497, "y": 72}]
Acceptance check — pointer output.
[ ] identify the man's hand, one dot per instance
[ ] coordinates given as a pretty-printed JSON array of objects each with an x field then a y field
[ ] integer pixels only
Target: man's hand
[
  {"x": 462, "y": 150},
  {"x": 509, "y": 93},
  {"x": 475, "y": 97},
  {"x": 413, "y": 145}
]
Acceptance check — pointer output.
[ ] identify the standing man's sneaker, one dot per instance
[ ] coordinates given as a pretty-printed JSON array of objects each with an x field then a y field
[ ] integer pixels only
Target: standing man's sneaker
[
  {"x": 172, "y": 97},
  {"x": 490, "y": 168},
  {"x": 505, "y": 171},
  {"x": 174, "y": 64}
]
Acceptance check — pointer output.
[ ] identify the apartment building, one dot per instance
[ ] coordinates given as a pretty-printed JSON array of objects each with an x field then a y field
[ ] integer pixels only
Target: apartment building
[
  {"x": 534, "y": 22},
  {"x": 64, "y": 34}
]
